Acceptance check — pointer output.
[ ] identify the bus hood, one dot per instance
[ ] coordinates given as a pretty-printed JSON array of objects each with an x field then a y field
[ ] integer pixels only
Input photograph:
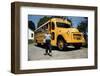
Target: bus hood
[
  {"x": 72, "y": 30},
  {"x": 63, "y": 30},
  {"x": 67, "y": 30}
]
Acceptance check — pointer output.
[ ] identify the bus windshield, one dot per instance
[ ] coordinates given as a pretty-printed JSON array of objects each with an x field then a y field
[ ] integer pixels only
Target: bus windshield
[{"x": 63, "y": 25}]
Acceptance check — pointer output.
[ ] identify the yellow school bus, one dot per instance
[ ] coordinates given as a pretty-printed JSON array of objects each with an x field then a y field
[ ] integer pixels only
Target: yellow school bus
[{"x": 62, "y": 34}]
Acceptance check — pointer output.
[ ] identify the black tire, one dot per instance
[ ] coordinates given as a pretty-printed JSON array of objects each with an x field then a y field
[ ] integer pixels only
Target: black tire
[
  {"x": 77, "y": 47},
  {"x": 60, "y": 44},
  {"x": 38, "y": 44}
]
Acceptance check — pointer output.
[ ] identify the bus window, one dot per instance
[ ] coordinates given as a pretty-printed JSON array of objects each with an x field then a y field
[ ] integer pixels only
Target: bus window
[
  {"x": 49, "y": 26},
  {"x": 52, "y": 25},
  {"x": 52, "y": 35},
  {"x": 63, "y": 25}
]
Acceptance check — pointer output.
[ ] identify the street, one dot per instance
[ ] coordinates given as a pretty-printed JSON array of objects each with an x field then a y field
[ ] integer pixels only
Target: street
[{"x": 37, "y": 53}]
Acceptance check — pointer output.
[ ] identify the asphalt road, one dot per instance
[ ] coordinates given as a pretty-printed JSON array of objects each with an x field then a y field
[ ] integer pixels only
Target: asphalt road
[{"x": 37, "y": 53}]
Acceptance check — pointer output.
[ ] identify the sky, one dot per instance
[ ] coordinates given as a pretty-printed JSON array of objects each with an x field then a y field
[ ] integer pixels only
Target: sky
[{"x": 75, "y": 20}]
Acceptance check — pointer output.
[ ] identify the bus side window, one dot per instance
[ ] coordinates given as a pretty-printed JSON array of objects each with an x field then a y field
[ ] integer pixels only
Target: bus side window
[
  {"x": 52, "y": 25},
  {"x": 49, "y": 26},
  {"x": 52, "y": 35}
]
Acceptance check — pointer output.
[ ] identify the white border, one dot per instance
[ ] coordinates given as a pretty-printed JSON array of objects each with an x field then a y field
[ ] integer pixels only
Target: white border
[{"x": 25, "y": 64}]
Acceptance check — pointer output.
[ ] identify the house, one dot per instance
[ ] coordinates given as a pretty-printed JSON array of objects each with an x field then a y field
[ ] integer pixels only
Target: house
[{"x": 30, "y": 34}]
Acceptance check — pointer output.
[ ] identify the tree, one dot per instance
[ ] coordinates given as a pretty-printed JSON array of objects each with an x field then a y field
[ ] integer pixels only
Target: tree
[
  {"x": 43, "y": 20},
  {"x": 69, "y": 21},
  {"x": 46, "y": 18},
  {"x": 31, "y": 25},
  {"x": 63, "y": 17},
  {"x": 83, "y": 26}
]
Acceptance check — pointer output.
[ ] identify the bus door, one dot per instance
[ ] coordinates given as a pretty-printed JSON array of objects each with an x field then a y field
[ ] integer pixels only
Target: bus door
[{"x": 53, "y": 34}]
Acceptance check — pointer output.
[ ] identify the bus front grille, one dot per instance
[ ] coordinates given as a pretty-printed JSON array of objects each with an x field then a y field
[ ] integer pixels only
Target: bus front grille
[{"x": 77, "y": 36}]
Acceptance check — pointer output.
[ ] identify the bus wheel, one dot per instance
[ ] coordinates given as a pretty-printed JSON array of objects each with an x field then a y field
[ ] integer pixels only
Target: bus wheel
[
  {"x": 77, "y": 46},
  {"x": 38, "y": 44},
  {"x": 60, "y": 44}
]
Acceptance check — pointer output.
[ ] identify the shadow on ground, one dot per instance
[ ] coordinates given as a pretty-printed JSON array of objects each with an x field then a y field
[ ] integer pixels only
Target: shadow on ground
[{"x": 56, "y": 49}]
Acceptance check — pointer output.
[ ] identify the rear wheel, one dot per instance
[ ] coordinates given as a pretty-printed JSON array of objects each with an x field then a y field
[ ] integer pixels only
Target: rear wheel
[
  {"x": 60, "y": 44},
  {"x": 38, "y": 44}
]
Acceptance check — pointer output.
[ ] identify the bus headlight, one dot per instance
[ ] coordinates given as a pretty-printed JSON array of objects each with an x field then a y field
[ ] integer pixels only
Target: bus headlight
[{"x": 68, "y": 32}]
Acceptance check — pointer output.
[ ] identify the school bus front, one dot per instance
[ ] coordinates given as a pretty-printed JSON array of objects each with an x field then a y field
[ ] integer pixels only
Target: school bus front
[{"x": 66, "y": 35}]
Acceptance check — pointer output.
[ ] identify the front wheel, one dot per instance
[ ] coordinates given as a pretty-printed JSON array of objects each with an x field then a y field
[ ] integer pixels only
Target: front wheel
[
  {"x": 78, "y": 46},
  {"x": 60, "y": 44}
]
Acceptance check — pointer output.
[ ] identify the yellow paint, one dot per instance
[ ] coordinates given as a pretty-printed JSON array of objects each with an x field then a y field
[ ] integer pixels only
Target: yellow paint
[{"x": 70, "y": 35}]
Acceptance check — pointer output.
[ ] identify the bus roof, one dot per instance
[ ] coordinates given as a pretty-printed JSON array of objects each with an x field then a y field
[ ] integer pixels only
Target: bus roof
[
  {"x": 54, "y": 19},
  {"x": 41, "y": 25}
]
